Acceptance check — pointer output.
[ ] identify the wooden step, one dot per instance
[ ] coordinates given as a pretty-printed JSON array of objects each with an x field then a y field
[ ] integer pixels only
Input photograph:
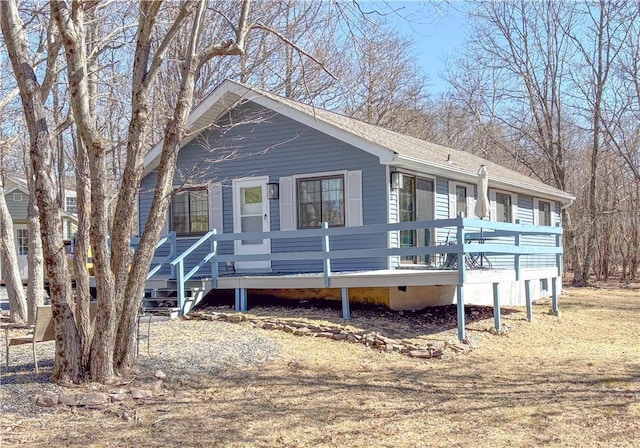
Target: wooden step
[{"x": 169, "y": 311}]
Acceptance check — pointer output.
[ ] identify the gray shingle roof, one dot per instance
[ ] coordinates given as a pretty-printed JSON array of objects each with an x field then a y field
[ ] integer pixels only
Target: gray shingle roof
[
  {"x": 398, "y": 149},
  {"x": 442, "y": 157}
]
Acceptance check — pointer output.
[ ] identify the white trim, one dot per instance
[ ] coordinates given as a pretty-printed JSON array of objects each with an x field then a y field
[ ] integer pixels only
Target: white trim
[
  {"x": 216, "y": 208},
  {"x": 266, "y": 223},
  {"x": 392, "y": 260},
  {"x": 17, "y": 197},
  {"x": 287, "y": 203},
  {"x": 353, "y": 199}
]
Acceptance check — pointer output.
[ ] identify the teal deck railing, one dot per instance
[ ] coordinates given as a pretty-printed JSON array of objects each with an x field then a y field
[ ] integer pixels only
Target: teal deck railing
[
  {"x": 158, "y": 263},
  {"x": 470, "y": 236}
]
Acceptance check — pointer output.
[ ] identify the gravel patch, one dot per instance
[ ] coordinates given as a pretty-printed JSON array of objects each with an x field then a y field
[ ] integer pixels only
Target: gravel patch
[{"x": 177, "y": 347}]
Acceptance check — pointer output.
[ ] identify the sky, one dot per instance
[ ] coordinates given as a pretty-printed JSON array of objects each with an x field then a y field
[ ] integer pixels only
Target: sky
[{"x": 438, "y": 30}]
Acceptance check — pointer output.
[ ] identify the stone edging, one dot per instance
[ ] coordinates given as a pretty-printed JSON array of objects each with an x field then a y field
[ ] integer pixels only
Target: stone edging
[{"x": 434, "y": 349}]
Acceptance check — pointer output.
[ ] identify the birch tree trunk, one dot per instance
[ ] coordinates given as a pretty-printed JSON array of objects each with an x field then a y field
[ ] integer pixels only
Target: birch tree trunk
[{"x": 9, "y": 263}]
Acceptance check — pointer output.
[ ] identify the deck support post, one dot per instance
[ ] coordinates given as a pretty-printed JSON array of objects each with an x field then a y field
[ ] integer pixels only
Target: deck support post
[
  {"x": 462, "y": 279},
  {"x": 496, "y": 307},
  {"x": 554, "y": 296},
  {"x": 346, "y": 311},
  {"x": 460, "y": 308},
  {"x": 241, "y": 299},
  {"x": 527, "y": 295}
]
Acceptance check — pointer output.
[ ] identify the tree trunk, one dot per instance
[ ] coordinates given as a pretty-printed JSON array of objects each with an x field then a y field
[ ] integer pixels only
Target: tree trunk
[
  {"x": 35, "y": 259},
  {"x": 83, "y": 296},
  {"x": 67, "y": 360},
  {"x": 9, "y": 263}
]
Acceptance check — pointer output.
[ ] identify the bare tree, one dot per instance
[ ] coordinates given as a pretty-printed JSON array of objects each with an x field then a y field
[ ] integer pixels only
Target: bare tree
[
  {"x": 598, "y": 47},
  {"x": 516, "y": 74}
]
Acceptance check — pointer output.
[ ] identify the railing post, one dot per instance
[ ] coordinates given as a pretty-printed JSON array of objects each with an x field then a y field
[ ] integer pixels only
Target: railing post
[
  {"x": 326, "y": 263},
  {"x": 527, "y": 293},
  {"x": 174, "y": 249},
  {"x": 559, "y": 255},
  {"x": 180, "y": 281},
  {"x": 496, "y": 307},
  {"x": 516, "y": 257},
  {"x": 214, "y": 262},
  {"x": 462, "y": 278}
]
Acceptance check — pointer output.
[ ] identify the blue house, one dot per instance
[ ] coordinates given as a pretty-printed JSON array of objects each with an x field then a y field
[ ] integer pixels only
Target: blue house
[{"x": 277, "y": 195}]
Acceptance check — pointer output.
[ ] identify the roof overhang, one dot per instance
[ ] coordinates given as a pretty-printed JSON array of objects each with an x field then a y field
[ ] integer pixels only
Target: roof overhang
[
  {"x": 14, "y": 188},
  {"x": 459, "y": 174}
]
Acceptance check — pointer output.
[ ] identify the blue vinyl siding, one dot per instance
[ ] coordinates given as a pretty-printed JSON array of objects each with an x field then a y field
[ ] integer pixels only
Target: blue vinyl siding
[{"x": 277, "y": 146}]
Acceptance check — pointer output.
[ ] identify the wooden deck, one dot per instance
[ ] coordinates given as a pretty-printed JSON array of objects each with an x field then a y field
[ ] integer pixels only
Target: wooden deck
[{"x": 464, "y": 282}]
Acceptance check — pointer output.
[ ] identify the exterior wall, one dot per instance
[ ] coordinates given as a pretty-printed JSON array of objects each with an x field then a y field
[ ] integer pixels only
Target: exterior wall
[
  {"x": 512, "y": 292},
  {"x": 277, "y": 146},
  {"x": 17, "y": 209},
  {"x": 526, "y": 216}
]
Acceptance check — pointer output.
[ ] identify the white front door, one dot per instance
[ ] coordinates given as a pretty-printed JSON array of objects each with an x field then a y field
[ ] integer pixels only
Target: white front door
[{"x": 251, "y": 214}]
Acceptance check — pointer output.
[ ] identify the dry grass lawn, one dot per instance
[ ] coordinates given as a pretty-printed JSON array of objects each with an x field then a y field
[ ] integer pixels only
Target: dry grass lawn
[{"x": 573, "y": 381}]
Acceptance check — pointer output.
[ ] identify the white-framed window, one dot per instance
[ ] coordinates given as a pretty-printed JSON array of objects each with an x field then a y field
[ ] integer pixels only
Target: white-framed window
[
  {"x": 461, "y": 200},
  {"x": 504, "y": 206},
  {"x": 17, "y": 197},
  {"x": 542, "y": 212},
  {"x": 71, "y": 205},
  {"x": 320, "y": 199},
  {"x": 189, "y": 211},
  {"x": 307, "y": 200},
  {"x": 22, "y": 241}
]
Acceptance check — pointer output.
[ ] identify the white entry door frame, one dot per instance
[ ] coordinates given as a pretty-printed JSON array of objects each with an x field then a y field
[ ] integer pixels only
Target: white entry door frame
[
  {"x": 251, "y": 214},
  {"x": 22, "y": 247}
]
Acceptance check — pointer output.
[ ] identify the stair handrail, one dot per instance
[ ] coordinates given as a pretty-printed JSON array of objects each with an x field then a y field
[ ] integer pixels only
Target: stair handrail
[
  {"x": 178, "y": 262},
  {"x": 170, "y": 238}
]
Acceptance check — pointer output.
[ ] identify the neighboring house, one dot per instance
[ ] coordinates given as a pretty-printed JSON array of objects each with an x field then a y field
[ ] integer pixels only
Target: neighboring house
[
  {"x": 16, "y": 193},
  {"x": 248, "y": 145}
]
